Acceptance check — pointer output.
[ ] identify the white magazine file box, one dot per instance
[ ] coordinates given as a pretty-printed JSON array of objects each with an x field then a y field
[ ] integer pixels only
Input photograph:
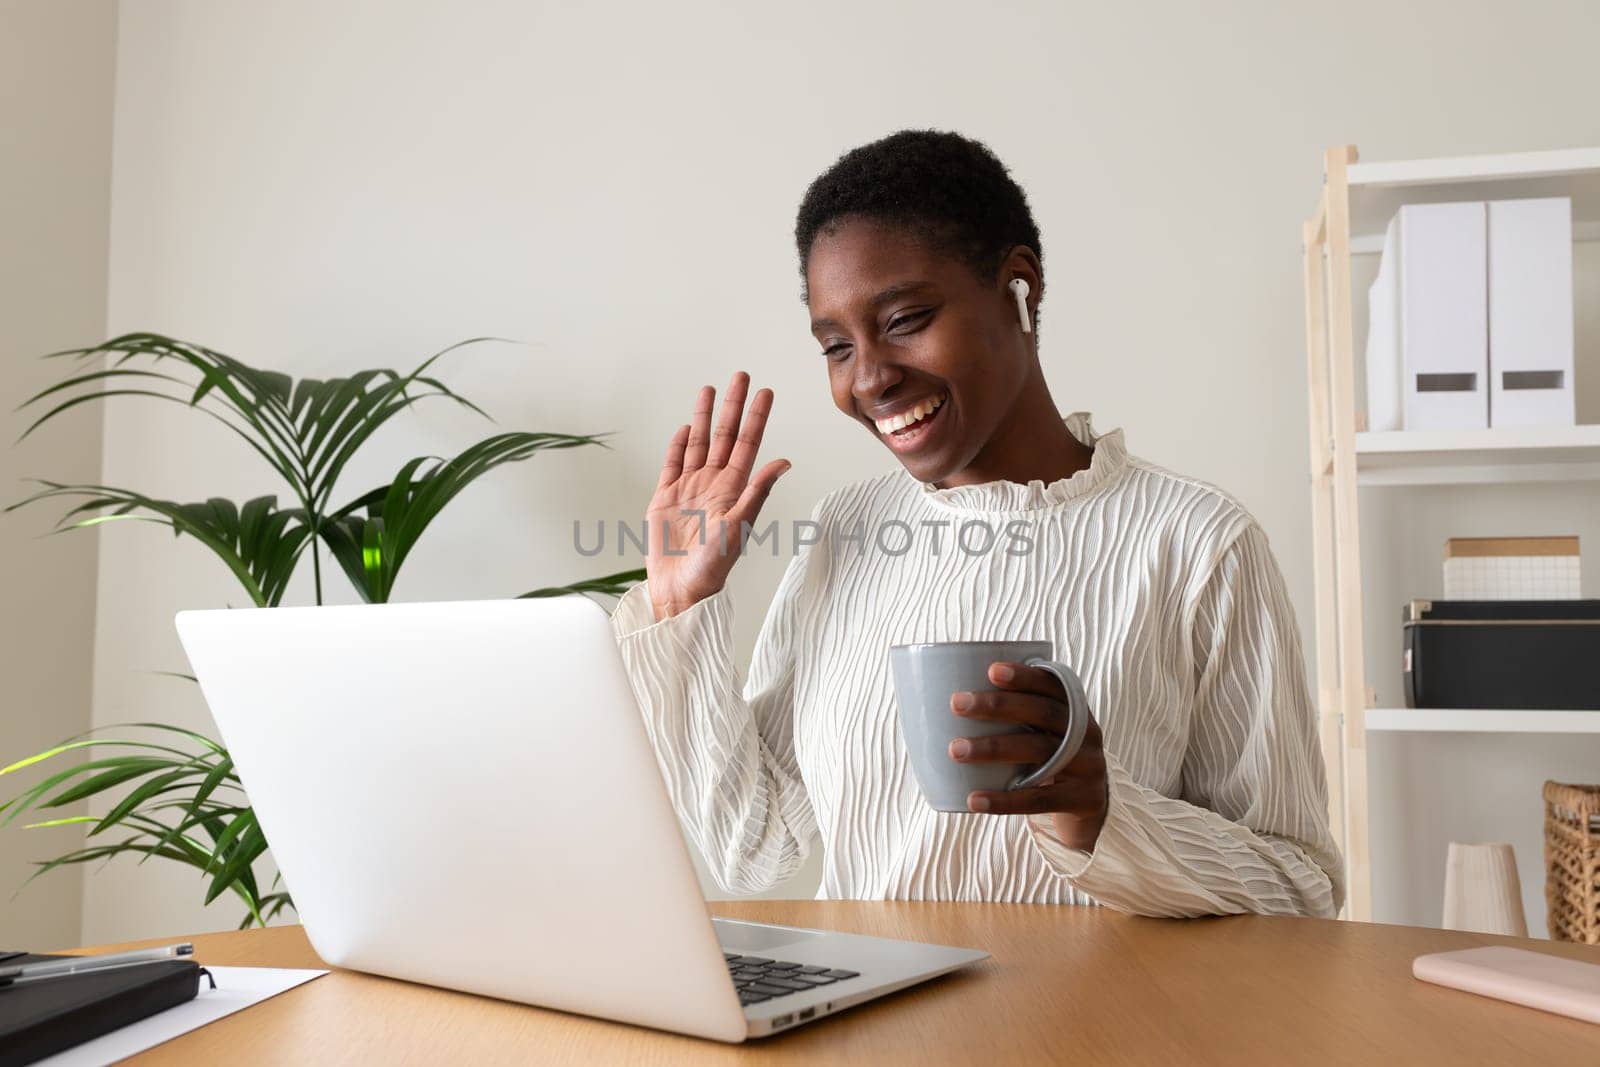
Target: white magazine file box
[
  {"x": 1530, "y": 312},
  {"x": 1444, "y": 328}
]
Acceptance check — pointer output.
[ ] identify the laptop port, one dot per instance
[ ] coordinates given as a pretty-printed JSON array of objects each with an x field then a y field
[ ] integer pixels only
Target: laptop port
[
  {"x": 782, "y": 1020},
  {"x": 806, "y": 1013}
]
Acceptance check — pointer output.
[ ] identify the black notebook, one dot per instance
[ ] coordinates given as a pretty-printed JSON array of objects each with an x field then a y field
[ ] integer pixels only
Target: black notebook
[{"x": 39, "y": 1019}]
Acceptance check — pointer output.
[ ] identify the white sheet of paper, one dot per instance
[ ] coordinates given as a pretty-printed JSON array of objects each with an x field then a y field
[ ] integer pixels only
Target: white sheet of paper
[{"x": 237, "y": 988}]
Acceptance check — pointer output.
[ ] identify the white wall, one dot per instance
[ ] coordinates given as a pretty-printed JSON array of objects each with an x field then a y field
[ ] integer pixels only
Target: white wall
[
  {"x": 323, "y": 187},
  {"x": 56, "y": 64}
]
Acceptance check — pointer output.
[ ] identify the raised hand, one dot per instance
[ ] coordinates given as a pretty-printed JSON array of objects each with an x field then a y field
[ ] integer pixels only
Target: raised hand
[{"x": 706, "y": 495}]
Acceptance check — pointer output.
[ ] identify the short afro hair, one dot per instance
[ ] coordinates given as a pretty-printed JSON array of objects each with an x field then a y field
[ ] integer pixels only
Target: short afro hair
[{"x": 949, "y": 190}]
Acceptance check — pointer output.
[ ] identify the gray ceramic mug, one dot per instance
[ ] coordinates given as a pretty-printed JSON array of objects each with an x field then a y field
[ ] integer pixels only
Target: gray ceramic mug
[{"x": 925, "y": 676}]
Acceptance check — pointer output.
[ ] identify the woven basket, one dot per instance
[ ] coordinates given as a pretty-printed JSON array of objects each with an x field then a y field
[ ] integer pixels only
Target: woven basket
[{"x": 1572, "y": 861}]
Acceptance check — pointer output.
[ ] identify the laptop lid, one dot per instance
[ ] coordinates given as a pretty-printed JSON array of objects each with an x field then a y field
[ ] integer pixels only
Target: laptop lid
[{"x": 464, "y": 794}]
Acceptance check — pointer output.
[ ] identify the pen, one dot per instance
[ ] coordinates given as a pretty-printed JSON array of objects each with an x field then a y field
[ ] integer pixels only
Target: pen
[{"x": 29, "y": 972}]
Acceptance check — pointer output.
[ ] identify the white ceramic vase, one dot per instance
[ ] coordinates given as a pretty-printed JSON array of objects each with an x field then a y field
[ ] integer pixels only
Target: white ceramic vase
[{"x": 1482, "y": 892}]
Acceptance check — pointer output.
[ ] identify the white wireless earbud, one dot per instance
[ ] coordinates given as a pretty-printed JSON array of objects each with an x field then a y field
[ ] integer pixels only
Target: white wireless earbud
[{"x": 1019, "y": 289}]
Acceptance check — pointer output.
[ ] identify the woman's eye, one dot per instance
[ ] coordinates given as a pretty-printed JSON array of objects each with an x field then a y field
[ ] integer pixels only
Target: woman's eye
[
  {"x": 833, "y": 350},
  {"x": 913, "y": 317}
]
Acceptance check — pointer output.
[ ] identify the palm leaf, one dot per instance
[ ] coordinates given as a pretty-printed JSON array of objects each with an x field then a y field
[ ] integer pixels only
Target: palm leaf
[
  {"x": 254, "y": 400},
  {"x": 72, "y": 744},
  {"x": 130, "y": 766},
  {"x": 613, "y": 585},
  {"x": 260, "y": 543},
  {"x": 233, "y": 858},
  {"x": 271, "y": 905},
  {"x": 307, "y": 431},
  {"x": 158, "y": 785},
  {"x": 343, "y": 413},
  {"x": 170, "y": 805},
  {"x": 372, "y": 535}
]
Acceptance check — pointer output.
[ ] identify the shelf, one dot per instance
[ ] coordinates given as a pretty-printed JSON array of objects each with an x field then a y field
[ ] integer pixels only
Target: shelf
[
  {"x": 1458, "y": 457},
  {"x": 1352, "y": 212},
  {"x": 1476, "y": 720},
  {"x": 1378, "y": 189}
]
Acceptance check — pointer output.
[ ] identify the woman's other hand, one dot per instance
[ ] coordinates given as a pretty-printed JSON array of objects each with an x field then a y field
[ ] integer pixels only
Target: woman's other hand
[
  {"x": 1077, "y": 796},
  {"x": 707, "y": 497}
]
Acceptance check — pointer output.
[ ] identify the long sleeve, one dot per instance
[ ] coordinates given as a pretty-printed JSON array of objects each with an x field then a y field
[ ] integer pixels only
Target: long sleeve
[
  {"x": 727, "y": 753},
  {"x": 1249, "y": 832}
]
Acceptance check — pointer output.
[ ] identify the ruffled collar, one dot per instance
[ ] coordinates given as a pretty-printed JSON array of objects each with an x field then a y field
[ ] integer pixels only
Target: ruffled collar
[{"x": 1109, "y": 459}]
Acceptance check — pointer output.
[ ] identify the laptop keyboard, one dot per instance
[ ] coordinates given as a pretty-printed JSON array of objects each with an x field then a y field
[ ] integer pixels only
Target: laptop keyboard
[{"x": 759, "y": 979}]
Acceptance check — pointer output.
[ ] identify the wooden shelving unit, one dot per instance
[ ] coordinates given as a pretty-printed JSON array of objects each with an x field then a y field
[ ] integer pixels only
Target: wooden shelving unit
[
  {"x": 1463, "y": 457},
  {"x": 1357, "y": 201}
]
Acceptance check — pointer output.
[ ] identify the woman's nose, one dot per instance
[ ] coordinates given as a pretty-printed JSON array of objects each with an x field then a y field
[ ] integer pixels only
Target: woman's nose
[{"x": 874, "y": 373}]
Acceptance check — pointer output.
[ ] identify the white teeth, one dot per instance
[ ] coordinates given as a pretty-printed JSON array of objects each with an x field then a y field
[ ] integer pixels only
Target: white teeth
[{"x": 906, "y": 418}]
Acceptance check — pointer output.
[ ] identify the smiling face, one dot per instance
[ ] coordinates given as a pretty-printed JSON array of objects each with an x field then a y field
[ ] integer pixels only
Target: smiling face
[{"x": 922, "y": 354}]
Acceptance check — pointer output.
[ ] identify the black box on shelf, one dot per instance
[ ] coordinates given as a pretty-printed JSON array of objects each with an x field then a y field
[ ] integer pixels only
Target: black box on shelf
[{"x": 1523, "y": 654}]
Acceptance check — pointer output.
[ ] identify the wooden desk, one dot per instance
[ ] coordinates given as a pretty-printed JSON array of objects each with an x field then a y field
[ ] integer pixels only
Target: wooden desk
[{"x": 1065, "y": 984}]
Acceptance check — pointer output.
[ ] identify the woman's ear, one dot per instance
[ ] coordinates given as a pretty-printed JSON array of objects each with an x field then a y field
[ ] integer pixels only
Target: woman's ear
[{"x": 1022, "y": 265}]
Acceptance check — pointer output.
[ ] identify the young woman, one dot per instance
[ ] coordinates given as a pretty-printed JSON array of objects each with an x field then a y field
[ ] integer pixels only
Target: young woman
[{"x": 1200, "y": 791}]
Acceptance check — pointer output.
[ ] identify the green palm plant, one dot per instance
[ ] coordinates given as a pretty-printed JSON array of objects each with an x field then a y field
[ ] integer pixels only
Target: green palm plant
[
  {"x": 183, "y": 804},
  {"x": 182, "y": 800}
]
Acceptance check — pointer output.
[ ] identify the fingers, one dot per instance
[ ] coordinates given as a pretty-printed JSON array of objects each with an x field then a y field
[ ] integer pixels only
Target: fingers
[
  {"x": 672, "y": 466},
  {"x": 1000, "y": 705},
  {"x": 1024, "y": 679},
  {"x": 694, "y": 455},
  {"x": 1030, "y": 747},
  {"x": 1072, "y": 796},
  {"x": 749, "y": 504},
  {"x": 743, "y": 456},
  {"x": 728, "y": 420}
]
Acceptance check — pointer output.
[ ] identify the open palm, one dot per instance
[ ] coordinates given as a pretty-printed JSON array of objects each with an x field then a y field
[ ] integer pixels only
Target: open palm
[{"x": 707, "y": 497}]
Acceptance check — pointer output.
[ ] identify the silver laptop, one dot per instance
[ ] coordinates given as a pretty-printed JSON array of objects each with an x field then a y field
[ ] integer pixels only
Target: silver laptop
[{"x": 464, "y": 795}]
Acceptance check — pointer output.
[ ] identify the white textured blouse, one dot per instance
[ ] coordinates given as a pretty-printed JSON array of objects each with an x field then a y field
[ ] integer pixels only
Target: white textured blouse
[{"x": 1159, "y": 590}]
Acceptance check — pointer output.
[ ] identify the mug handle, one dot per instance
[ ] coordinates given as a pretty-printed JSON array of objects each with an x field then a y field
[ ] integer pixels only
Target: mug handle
[{"x": 1077, "y": 723}]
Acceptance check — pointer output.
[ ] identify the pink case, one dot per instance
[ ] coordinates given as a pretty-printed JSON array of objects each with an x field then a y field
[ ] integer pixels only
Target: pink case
[{"x": 1549, "y": 983}]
